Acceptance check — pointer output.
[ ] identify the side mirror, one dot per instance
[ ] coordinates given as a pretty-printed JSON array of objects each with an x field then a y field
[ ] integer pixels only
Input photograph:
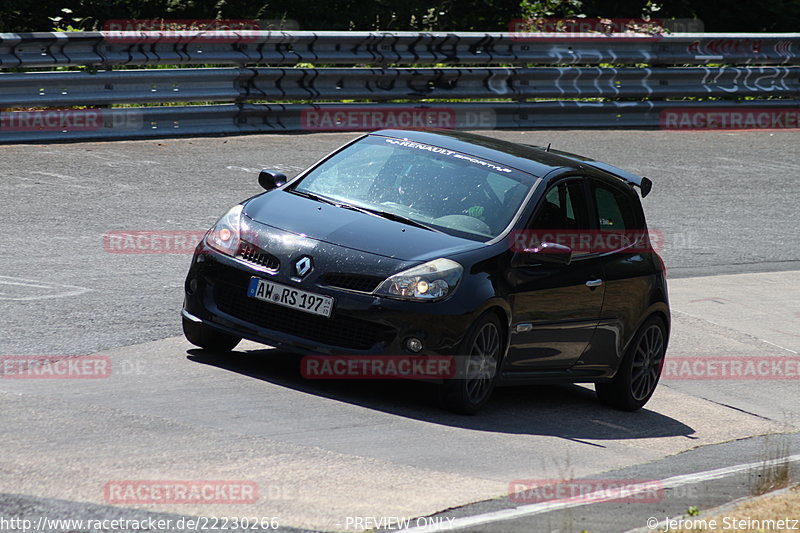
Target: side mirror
[
  {"x": 546, "y": 252},
  {"x": 271, "y": 179}
]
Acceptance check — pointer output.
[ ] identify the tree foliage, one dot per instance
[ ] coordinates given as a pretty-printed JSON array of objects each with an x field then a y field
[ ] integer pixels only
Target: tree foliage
[{"x": 417, "y": 15}]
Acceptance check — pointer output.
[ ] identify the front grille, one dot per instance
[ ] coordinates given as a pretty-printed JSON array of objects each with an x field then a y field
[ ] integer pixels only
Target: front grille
[
  {"x": 252, "y": 254},
  {"x": 342, "y": 331},
  {"x": 353, "y": 282}
]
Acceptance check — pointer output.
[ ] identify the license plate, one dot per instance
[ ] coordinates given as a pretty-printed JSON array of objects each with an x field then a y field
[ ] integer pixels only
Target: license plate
[{"x": 286, "y": 296}]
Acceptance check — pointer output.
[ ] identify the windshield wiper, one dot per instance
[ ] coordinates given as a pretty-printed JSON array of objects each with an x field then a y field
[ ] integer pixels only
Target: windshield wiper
[
  {"x": 390, "y": 216},
  {"x": 375, "y": 212},
  {"x": 312, "y": 196}
]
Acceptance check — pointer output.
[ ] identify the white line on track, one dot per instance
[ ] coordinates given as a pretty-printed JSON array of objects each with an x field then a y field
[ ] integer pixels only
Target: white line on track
[
  {"x": 56, "y": 290},
  {"x": 593, "y": 497},
  {"x": 738, "y": 331},
  {"x": 39, "y": 181}
]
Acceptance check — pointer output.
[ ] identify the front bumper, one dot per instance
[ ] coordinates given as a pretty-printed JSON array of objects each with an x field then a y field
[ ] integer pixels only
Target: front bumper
[{"x": 216, "y": 294}]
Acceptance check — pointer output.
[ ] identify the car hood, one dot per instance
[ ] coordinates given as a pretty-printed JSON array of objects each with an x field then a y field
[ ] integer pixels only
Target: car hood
[{"x": 352, "y": 229}]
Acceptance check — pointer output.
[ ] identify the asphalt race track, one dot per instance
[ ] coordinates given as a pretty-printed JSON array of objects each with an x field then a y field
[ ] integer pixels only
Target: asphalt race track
[{"x": 353, "y": 456}]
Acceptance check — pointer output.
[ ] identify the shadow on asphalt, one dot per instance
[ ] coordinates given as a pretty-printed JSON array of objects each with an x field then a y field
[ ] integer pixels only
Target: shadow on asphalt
[{"x": 565, "y": 411}]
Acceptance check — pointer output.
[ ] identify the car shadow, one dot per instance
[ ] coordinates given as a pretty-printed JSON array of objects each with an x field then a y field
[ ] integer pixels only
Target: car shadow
[{"x": 564, "y": 411}]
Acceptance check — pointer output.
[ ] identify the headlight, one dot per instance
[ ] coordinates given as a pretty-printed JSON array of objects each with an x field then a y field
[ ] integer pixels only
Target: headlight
[
  {"x": 224, "y": 235},
  {"x": 433, "y": 280}
]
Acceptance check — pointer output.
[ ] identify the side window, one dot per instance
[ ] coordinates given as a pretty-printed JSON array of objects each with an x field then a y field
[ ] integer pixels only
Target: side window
[
  {"x": 562, "y": 208},
  {"x": 615, "y": 209}
]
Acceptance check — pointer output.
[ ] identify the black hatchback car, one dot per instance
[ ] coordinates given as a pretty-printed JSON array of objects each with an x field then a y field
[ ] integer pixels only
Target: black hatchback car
[{"x": 524, "y": 264}]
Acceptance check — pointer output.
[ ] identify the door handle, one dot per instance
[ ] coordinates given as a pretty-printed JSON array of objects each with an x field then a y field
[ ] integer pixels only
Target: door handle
[{"x": 594, "y": 283}]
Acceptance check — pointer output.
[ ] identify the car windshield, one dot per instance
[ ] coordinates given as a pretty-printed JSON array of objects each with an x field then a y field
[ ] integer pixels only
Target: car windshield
[{"x": 442, "y": 189}]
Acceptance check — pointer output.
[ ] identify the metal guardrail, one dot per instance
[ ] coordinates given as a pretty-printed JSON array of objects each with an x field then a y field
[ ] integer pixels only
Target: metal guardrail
[
  {"x": 243, "y": 84},
  {"x": 491, "y": 79},
  {"x": 391, "y": 48}
]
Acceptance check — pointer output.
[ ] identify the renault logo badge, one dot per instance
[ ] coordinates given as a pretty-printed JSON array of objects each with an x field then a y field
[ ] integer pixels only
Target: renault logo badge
[{"x": 303, "y": 266}]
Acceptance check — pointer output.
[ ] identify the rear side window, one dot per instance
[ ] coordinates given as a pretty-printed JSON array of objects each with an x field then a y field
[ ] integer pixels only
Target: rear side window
[
  {"x": 562, "y": 217},
  {"x": 616, "y": 210},
  {"x": 562, "y": 208}
]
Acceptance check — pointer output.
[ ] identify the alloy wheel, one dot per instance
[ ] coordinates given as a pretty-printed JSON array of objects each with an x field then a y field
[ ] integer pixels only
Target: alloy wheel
[
  {"x": 482, "y": 362},
  {"x": 647, "y": 362}
]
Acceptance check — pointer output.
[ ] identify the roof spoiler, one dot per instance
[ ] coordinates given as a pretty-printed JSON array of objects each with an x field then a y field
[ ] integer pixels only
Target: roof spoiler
[{"x": 645, "y": 184}]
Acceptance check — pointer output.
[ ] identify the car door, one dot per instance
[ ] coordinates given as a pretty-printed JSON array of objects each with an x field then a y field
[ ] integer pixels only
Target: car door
[
  {"x": 555, "y": 308},
  {"x": 627, "y": 265}
]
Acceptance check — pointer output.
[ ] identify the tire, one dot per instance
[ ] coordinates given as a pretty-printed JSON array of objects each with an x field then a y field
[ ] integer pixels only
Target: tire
[
  {"x": 208, "y": 338},
  {"x": 640, "y": 370},
  {"x": 482, "y": 351}
]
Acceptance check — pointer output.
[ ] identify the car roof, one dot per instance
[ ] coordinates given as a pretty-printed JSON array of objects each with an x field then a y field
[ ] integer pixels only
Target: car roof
[{"x": 535, "y": 160}]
